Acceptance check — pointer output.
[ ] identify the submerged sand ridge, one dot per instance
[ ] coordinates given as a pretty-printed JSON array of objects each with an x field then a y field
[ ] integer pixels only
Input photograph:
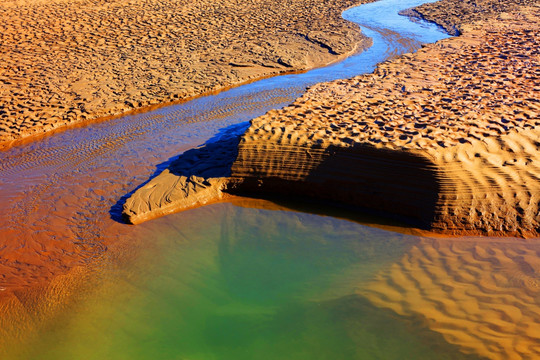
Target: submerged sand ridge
[
  {"x": 482, "y": 295},
  {"x": 65, "y": 62},
  {"x": 446, "y": 137}
]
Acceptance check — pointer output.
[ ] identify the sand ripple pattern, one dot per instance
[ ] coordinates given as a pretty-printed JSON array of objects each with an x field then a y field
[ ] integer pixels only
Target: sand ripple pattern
[
  {"x": 491, "y": 186},
  {"x": 458, "y": 90},
  {"x": 65, "y": 62},
  {"x": 482, "y": 295},
  {"x": 462, "y": 114},
  {"x": 56, "y": 194}
]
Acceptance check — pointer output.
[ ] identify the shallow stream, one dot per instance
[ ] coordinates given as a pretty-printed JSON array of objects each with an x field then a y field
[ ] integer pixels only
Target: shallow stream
[{"x": 239, "y": 281}]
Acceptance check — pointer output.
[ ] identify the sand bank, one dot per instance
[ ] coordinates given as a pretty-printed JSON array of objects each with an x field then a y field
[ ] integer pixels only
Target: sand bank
[
  {"x": 65, "y": 62},
  {"x": 446, "y": 138},
  {"x": 455, "y": 15}
]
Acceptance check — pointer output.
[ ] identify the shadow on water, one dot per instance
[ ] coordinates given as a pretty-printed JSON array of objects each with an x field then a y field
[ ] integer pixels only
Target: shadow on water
[
  {"x": 371, "y": 201},
  {"x": 392, "y": 35},
  {"x": 189, "y": 286},
  {"x": 367, "y": 193},
  {"x": 211, "y": 159}
]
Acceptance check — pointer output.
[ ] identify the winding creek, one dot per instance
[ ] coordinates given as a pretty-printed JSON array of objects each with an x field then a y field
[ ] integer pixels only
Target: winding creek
[{"x": 236, "y": 280}]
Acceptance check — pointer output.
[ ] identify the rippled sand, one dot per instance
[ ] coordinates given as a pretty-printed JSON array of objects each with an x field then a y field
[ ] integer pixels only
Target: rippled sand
[
  {"x": 65, "y": 62},
  {"x": 481, "y": 294},
  {"x": 447, "y": 137},
  {"x": 252, "y": 283}
]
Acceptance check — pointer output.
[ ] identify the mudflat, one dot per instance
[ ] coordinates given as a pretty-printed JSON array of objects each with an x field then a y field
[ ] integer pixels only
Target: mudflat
[{"x": 64, "y": 62}]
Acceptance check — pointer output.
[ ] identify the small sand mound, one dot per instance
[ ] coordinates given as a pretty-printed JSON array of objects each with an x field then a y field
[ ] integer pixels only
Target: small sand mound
[{"x": 446, "y": 138}]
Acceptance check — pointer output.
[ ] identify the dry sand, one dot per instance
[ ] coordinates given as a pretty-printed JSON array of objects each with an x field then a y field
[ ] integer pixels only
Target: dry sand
[
  {"x": 453, "y": 15},
  {"x": 64, "y": 62},
  {"x": 450, "y": 135},
  {"x": 447, "y": 138}
]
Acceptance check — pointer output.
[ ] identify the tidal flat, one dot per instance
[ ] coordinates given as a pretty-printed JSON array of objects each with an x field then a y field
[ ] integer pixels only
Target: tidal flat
[{"x": 265, "y": 279}]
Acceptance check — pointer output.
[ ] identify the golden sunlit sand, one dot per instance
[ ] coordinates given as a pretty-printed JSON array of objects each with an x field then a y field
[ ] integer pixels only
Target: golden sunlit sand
[
  {"x": 446, "y": 137},
  {"x": 67, "y": 62},
  {"x": 483, "y": 295}
]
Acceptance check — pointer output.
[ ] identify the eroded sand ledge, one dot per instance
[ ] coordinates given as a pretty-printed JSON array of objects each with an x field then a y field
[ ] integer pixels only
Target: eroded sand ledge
[
  {"x": 447, "y": 138},
  {"x": 66, "y": 62}
]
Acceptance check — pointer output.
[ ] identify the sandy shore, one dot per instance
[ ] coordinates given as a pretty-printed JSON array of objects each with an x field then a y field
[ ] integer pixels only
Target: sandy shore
[
  {"x": 446, "y": 138},
  {"x": 65, "y": 62}
]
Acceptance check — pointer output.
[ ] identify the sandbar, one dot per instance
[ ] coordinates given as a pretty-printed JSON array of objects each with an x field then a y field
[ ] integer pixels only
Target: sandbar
[
  {"x": 67, "y": 62},
  {"x": 446, "y": 138}
]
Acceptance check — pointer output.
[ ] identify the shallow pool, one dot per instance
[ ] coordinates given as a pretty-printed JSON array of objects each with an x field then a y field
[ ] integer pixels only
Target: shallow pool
[
  {"x": 233, "y": 282},
  {"x": 228, "y": 282}
]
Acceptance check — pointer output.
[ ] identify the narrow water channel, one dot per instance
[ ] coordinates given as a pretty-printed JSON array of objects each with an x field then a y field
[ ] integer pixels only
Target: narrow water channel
[
  {"x": 56, "y": 194},
  {"x": 239, "y": 281}
]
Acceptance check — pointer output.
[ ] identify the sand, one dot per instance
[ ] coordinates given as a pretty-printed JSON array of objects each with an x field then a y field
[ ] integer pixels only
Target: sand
[
  {"x": 483, "y": 296},
  {"x": 69, "y": 62},
  {"x": 446, "y": 138},
  {"x": 454, "y": 15},
  {"x": 453, "y": 126}
]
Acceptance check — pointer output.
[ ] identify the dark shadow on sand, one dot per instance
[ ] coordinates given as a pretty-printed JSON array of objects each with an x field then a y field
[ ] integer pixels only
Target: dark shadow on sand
[
  {"x": 212, "y": 159},
  {"x": 395, "y": 185},
  {"x": 361, "y": 182}
]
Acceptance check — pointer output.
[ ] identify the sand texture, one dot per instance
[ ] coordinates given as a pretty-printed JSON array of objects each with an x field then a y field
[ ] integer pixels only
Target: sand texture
[
  {"x": 64, "y": 62},
  {"x": 483, "y": 296},
  {"x": 446, "y": 138},
  {"x": 197, "y": 178},
  {"x": 455, "y": 15}
]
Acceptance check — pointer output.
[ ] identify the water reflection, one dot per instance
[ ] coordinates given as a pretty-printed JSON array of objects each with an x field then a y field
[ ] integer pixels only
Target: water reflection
[
  {"x": 55, "y": 193},
  {"x": 225, "y": 282},
  {"x": 251, "y": 283}
]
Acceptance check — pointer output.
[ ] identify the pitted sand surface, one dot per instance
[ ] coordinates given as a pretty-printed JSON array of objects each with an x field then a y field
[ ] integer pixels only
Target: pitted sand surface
[
  {"x": 455, "y": 15},
  {"x": 66, "y": 62},
  {"x": 447, "y": 137}
]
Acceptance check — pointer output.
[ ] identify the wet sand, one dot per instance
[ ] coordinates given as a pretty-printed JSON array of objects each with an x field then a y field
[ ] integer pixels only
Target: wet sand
[
  {"x": 446, "y": 138},
  {"x": 65, "y": 263},
  {"x": 480, "y": 294},
  {"x": 59, "y": 196},
  {"x": 69, "y": 62},
  {"x": 263, "y": 265}
]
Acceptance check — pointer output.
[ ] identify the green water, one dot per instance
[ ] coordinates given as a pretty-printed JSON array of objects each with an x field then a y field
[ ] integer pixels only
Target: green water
[{"x": 274, "y": 285}]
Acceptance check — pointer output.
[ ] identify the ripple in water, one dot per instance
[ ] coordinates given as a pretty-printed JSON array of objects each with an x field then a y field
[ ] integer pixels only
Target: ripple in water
[{"x": 56, "y": 194}]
